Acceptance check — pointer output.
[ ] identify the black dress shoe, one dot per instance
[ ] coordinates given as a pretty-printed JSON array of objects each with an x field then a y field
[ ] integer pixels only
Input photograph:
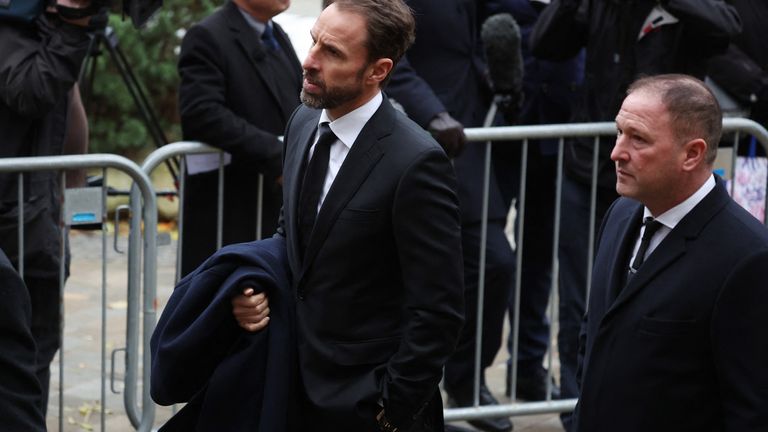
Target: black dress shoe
[
  {"x": 532, "y": 385},
  {"x": 464, "y": 397}
]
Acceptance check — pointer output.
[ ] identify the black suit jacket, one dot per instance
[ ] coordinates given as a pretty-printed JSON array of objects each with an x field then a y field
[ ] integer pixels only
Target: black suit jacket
[
  {"x": 238, "y": 96},
  {"x": 379, "y": 290},
  {"x": 21, "y": 397},
  {"x": 683, "y": 347}
]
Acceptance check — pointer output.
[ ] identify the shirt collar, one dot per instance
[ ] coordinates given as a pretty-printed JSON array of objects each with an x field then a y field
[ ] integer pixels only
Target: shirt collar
[
  {"x": 673, "y": 216},
  {"x": 253, "y": 22},
  {"x": 348, "y": 127}
]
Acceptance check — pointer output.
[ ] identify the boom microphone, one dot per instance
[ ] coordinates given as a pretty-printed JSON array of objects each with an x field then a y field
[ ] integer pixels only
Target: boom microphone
[{"x": 501, "y": 41}]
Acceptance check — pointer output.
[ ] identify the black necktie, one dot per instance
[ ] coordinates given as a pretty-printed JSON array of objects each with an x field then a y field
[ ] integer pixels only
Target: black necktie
[
  {"x": 268, "y": 38},
  {"x": 651, "y": 226},
  {"x": 312, "y": 187}
]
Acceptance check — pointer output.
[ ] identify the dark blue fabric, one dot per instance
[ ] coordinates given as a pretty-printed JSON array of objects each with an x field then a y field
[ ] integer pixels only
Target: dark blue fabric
[{"x": 233, "y": 380}]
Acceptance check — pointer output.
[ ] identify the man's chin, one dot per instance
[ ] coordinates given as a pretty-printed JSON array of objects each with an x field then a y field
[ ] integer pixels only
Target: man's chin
[
  {"x": 311, "y": 100},
  {"x": 624, "y": 190}
]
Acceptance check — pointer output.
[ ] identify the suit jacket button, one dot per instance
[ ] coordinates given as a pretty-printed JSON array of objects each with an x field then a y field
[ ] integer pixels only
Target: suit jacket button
[{"x": 300, "y": 294}]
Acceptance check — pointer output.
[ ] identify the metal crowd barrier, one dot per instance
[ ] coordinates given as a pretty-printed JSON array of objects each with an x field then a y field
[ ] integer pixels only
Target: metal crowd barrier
[
  {"x": 520, "y": 135},
  {"x": 141, "y": 416},
  {"x": 142, "y": 256},
  {"x": 183, "y": 148}
]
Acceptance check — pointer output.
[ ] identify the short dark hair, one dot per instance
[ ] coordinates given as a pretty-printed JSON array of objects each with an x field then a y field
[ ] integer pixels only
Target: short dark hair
[
  {"x": 390, "y": 24},
  {"x": 693, "y": 108}
]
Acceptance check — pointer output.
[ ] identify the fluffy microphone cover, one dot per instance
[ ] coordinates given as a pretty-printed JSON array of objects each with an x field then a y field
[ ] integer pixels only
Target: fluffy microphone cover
[{"x": 501, "y": 40}]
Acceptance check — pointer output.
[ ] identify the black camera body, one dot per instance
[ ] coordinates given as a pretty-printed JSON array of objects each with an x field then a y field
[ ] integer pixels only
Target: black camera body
[{"x": 27, "y": 10}]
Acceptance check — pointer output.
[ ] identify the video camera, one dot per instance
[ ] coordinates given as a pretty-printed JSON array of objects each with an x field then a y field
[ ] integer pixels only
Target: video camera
[{"x": 27, "y": 10}]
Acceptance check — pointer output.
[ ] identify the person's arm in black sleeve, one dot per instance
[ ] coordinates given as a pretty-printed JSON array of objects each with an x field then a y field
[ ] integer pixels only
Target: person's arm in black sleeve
[
  {"x": 561, "y": 30},
  {"x": 425, "y": 108},
  {"x": 714, "y": 20},
  {"x": 205, "y": 115},
  {"x": 39, "y": 63},
  {"x": 742, "y": 78}
]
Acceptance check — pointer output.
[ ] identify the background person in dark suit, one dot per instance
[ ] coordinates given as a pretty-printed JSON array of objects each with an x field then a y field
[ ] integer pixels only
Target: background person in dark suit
[
  {"x": 675, "y": 331},
  {"x": 378, "y": 275},
  {"x": 238, "y": 89},
  {"x": 552, "y": 89},
  {"x": 21, "y": 397}
]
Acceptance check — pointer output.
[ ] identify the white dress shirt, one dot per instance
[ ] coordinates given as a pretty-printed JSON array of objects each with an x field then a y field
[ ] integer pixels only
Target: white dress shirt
[
  {"x": 670, "y": 218},
  {"x": 346, "y": 128}
]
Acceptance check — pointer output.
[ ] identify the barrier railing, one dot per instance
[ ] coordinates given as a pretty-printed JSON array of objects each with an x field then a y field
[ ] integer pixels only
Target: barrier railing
[
  {"x": 140, "y": 416},
  {"x": 142, "y": 255},
  {"x": 183, "y": 148}
]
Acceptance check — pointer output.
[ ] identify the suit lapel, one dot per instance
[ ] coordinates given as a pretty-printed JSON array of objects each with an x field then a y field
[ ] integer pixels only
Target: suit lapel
[
  {"x": 630, "y": 225},
  {"x": 294, "y": 64},
  {"x": 363, "y": 156},
  {"x": 669, "y": 250},
  {"x": 254, "y": 51},
  {"x": 300, "y": 141},
  {"x": 674, "y": 244}
]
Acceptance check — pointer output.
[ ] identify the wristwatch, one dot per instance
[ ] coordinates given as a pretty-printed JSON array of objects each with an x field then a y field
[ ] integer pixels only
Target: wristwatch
[{"x": 384, "y": 423}]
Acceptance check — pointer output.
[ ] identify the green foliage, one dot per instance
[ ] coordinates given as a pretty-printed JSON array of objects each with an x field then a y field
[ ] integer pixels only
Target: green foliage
[{"x": 116, "y": 124}]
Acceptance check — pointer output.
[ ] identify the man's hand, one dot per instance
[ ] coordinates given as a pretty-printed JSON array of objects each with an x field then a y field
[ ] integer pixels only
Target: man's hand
[
  {"x": 251, "y": 310},
  {"x": 449, "y": 133}
]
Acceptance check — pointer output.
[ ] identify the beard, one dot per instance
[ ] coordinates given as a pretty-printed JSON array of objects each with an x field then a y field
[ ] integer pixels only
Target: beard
[{"x": 333, "y": 96}]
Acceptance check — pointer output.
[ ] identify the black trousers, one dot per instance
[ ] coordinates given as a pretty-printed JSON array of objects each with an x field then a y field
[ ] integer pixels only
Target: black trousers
[
  {"x": 240, "y": 211},
  {"x": 42, "y": 259}
]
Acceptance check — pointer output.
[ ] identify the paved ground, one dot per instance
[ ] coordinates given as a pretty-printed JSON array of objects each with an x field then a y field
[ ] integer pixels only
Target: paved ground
[{"x": 83, "y": 329}]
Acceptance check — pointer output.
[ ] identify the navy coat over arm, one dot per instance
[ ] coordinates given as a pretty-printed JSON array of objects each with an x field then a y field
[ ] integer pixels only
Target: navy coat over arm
[{"x": 232, "y": 380}]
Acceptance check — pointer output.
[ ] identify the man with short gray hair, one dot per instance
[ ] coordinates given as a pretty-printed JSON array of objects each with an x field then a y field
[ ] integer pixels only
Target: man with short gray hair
[{"x": 674, "y": 337}]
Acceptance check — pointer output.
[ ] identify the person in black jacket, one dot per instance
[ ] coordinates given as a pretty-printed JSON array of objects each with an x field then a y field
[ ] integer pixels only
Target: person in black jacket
[
  {"x": 240, "y": 81},
  {"x": 39, "y": 65},
  {"x": 551, "y": 90},
  {"x": 742, "y": 71},
  {"x": 624, "y": 39},
  {"x": 20, "y": 392}
]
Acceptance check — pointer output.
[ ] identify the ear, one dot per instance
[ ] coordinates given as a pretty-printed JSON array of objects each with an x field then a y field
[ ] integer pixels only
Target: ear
[
  {"x": 379, "y": 70},
  {"x": 694, "y": 154}
]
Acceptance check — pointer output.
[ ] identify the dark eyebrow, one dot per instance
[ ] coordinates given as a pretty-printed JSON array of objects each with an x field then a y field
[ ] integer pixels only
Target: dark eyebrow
[{"x": 333, "y": 47}]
